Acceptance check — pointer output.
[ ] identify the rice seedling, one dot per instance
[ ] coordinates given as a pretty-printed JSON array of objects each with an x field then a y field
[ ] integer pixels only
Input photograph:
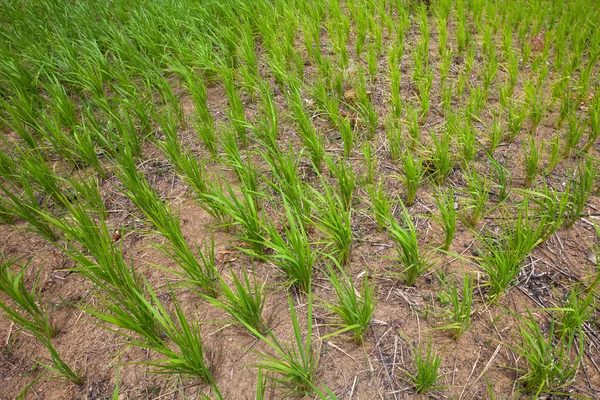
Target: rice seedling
[
  {"x": 479, "y": 191},
  {"x": 333, "y": 219},
  {"x": 292, "y": 252},
  {"x": 29, "y": 312},
  {"x": 381, "y": 204},
  {"x": 573, "y": 135},
  {"x": 413, "y": 174},
  {"x": 188, "y": 359},
  {"x": 354, "y": 308},
  {"x": 409, "y": 255},
  {"x": 28, "y": 207},
  {"x": 294, "y": 367},
  {"x": 576, "y": 310},
  {"x": 427, "y": 365},
  {"x": 460, "y": 303},
  {"x": 532, "y": 158},
  {"x": 312, "y": 140},
  {"x": 148, "y": 200},
  {"x": 580, "y": 188},
  {"x": 393, "y": 134},
  {"x": 57, "y": 366},
  {"x": 441, "y": 157},
  {"x": 371, "y": 163},
  {"x": 447, "y": 218},
  {"x": 502, "y": 254},
  {"x": 554, "y": 156},
  {"x": 549, "y": 358},
  {"x": 245, "y": 302},
  {"x": 346, "y": 180},
  {"x": 413, "y": 127},
  {"x": 594, "y": 122}
]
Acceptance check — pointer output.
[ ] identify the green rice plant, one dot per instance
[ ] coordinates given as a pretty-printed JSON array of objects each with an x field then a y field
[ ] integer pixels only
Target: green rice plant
[
  {"x": 447, "y": 218},
  {"x": 413, "y": 174},
  {"x": 245, "y": 302},
  {"x": 333, "y": 219},
  {"x": 495, "y": 136},
  {"x": 395, "y": 77},
  {"x": 393, "y": 133},
  {"x": 28, "y": 207},
  {"x": 576, "y": 310},
  {"x": 236, "y": 108},
  {"x": 535, "y": 103},
  {"x": 243, "y": 210},
  {"x": 34, "y": 168},
  {"x": 427, "y": 365},
  {"x": 516, "y": 118},
  {"x": 479, "y": 192},
  {"x": 549, "y": 358},
  {"x": 347, "y": 134},
  {"x": 580, "y": 188},
  {"x": 532, "y": 160},
  {"x": 594, "y": 122},
  {"x": 467, "y": 138},
  {"x": 554, "y": 156},
  {"x": 460, "y": 303},
  {"x": 407, "y": 247},
  {"x": 293, "y": 368},
  {"x": 312, "y": 140},
  {"x": 372, "y": 62},
  {"x": 29, "y": 313},
  {"x": 503, "y": 179},
  {"x": 57, "y": 366},
  {"x": 413, "y": 127},
  {"x": 353, "y": 308},
  {"x": 291, "y": 251},
  {"x": 441, "y": 157},
  {"x": 90, "y": 244},
  {"x": 370, "y": 162},
  {"x": 188, "y": 357},
  {"x": 424, "y": 85},
  {"x": 344, "y": 174},
  {"x": 573, "y": 135},
  {"x": 502, "y": 255},
  {"x": 551, "y": 207},
  {"x": 381, "y": 204},
  {"x": 148, "y": 200}
]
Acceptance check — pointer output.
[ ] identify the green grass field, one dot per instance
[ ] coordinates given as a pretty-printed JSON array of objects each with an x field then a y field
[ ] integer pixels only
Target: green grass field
[{"x": 299, "y": 199}]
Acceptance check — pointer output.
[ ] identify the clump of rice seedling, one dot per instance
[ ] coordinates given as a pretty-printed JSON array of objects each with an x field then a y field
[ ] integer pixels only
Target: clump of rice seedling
[
  {"x": 347, "y": 134},
  {"x": 245, "y": 303},
  {"x": 58, "y": 366},
  {"x": 29, "y": 313},
  {"x": 413, "y": 173},
  {"x": 381, "y": 203},
  {"x": 441, "y": 157},
  {"x": 577, "y": 309},
  {"x": 333, "y": 218},
  {"x": 312, "y": 140},
  {"x": 501, "y": 256},
  {"x": 27, "y": 206},
  {"x": 294, "y": 367},
  {"x": 407, "y": 247},
  {"x": 354, "y": 309},
  {"x": 550, "y": 366},
  {"x": 447, "y": 218},
  {"x": 532, "y": 158},
  {"x": 573, "y": 135},
  {"x": 460, "y": 305},
  {"x": 580, "y": 188},
  {"x": 188, "y": 359},
  {"x": 148, "y": 200},
  {"x": 594, "y": 111},
  {"x": 427, "y": 365},
  {"x": 346, "y": 179},
  {"x": 479, "y": 192},
  {"x": 292, "y": 252},
  {"x": 370, "y": 161}
]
